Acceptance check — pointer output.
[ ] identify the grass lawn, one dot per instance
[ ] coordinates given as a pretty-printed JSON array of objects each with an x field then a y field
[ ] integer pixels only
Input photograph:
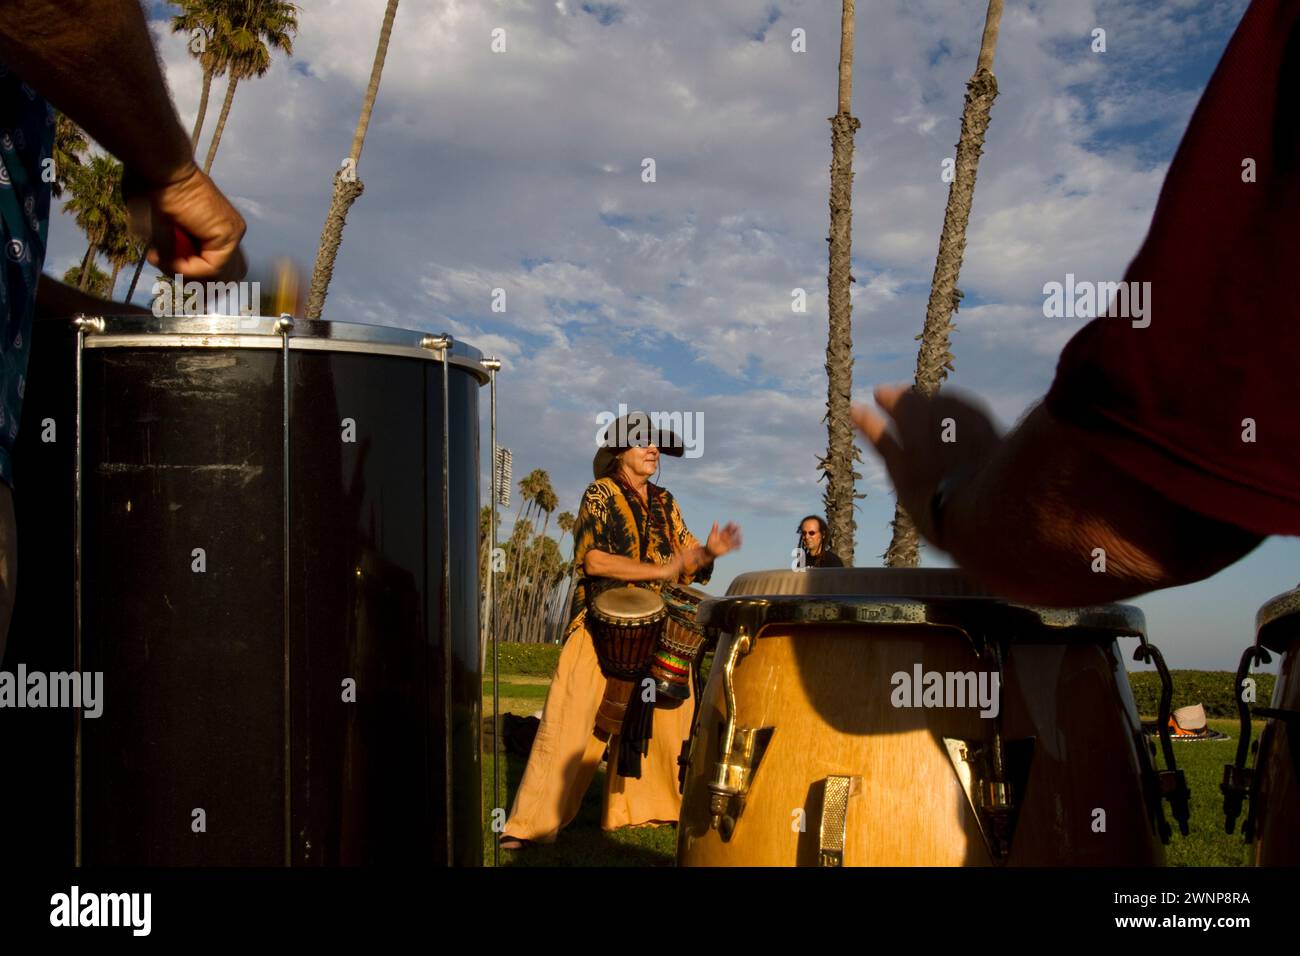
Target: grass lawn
[{"x": 583, "y": 843}]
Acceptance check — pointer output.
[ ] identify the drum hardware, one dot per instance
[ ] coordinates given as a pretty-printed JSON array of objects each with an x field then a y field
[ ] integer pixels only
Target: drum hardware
[
  {"x": 741, "y": 749},
  {"x": 833, "y": 829},
  {"x": 493, "y": 365},
  {"x": 443, "y": 343},
  {"x": 83, "y": 325},
  {"x": 1238, "y": 777},
  {"x": 1170, "y": 783},
  {"x": 994, "y": 774},
  {"x": 994, "y": 777}
]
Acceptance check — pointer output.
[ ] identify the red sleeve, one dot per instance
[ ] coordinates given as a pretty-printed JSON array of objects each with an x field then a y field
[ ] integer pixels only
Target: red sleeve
[{"x": 1175, "y": 404}]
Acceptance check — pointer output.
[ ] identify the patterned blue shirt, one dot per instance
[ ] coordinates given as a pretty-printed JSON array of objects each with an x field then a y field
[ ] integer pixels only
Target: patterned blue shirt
[{"x": 26, "y": 140}]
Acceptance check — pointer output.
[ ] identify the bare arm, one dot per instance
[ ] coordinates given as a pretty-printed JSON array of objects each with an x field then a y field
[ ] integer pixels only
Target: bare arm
[
  {"x": 602, "y": 564},
  {"x": 94, "y": 60},
  {"x": 1037, "y": 505}
]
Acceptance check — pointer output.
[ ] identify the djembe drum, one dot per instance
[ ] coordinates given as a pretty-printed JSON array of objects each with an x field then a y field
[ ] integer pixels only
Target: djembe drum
[
  {"x": 625, "y": 624},
  {"x": 680, "y": 645},
  {"x": 899, "y": 717}
]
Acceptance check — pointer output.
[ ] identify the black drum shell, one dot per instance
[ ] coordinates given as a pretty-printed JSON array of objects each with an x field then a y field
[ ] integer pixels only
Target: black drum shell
[{"x": 225, "y": 691}]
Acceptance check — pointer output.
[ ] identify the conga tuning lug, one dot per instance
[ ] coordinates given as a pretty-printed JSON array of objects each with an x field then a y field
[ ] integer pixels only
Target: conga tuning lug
[
  {"x": 734, "y": 774},
  {"x": 284, "y": 323},
  {"x": 437, "y": 343},
  {"x": 994, "y": 798}
]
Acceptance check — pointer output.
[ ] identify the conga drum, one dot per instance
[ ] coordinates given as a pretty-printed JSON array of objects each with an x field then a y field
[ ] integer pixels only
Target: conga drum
[
  {"x": 263, "y": 533},
  {"x": 624, "y": 623},
  {"x": 1274, "y": 824},
  {"x": 898, "y": 717}
]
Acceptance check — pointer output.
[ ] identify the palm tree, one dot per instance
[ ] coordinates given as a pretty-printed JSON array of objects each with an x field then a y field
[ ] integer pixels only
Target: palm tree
[
  {"x": 934, "y": 359},
  {"x": 96, "y": 198},
  {"x": 347, "y": 186},
  {"x": 244, "y": 44},
  {"x": 209, "y": 17},
  {"x": 837, "y": 466},
  {"x": 120, "y": 247},
  {"x": 96, "y": 279},
  {"x": 70, "y": 144}
]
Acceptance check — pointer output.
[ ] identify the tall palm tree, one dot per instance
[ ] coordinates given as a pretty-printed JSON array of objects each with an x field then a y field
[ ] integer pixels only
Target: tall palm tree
[
  {"x": 837, "y": 466},
  {"x": 934, "y": 359},
  {"x": 209, "y": 17},
  {"x": 70, "y": 145},
  {"x": 120, "y": 247},
  {"x": 254, "y": 29},
  {"x": 96, "y": 195},
  {"x": 347, "y": 185}
]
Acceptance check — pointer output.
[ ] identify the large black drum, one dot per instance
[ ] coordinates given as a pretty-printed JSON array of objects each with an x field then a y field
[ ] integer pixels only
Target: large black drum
[{"x": 278, "y": 579}]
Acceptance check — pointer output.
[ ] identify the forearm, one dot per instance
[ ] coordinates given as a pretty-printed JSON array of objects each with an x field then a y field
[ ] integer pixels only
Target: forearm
[
  {"x": 55, "y": 300},
  {"x": 1044, "y": 521},
  {"x": 601, "y": 564},
  {"x": 694, "y": 559},
  {"x": 95, "y": 61}
]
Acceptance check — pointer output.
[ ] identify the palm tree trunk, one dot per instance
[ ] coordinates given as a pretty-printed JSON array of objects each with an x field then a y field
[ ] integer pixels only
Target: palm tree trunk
[
  {"x": 203, "y": 108},
  {"x": 87, "y": 261},
  {"x": 837, "y": 466},
  {"x": 135, "y": 277},
  {"x": 934, "y": 359},
  {"x": 221, "y": 123},
  {"x": 112, "y": 282},
  {"x": 346, "y": 191}
]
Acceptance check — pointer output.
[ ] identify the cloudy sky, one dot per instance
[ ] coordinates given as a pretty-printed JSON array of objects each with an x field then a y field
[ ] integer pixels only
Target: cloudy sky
[{"x": 521, "y": 170}]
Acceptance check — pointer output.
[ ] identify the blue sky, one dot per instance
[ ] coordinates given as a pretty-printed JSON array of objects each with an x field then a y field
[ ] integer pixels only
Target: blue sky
[{"x": 522, "y": 170}]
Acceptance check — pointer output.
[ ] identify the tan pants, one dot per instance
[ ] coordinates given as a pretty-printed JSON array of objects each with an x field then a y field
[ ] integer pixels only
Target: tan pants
[
  {"x": 566, "y": 755},
  {"x": 8, "y": 562}
]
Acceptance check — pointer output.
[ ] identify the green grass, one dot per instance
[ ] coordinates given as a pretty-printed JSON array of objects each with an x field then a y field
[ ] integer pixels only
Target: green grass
[
  {"x": 1202, "y": 762},
  {"x": 583, "y": 843}
]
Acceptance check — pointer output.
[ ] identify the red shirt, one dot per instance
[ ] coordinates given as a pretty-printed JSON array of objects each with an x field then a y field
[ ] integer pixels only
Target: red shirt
[{"x": 1172, "y": 404}]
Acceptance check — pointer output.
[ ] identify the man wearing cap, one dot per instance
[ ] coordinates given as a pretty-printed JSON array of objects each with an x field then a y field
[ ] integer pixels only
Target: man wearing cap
[{"x": 629, "y": 531}]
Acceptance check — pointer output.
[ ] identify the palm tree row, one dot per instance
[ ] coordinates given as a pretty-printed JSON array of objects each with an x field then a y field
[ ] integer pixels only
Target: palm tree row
[{"x": 528, "y": 588}]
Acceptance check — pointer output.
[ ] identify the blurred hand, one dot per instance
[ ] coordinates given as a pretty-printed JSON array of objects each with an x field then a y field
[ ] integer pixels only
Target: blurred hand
[
  {"x": 192, "y": 205},
  {"x": 720, "y": 542},
  {"x": 915, "y": 451}
]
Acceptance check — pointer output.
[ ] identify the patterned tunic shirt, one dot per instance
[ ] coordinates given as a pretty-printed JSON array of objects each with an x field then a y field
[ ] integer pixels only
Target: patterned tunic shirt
[
  {"x": 613, "y": 520},
  {"x": 26, "y": 140}
]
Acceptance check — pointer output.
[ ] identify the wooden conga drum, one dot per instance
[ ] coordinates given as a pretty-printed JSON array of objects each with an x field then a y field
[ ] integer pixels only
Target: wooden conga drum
[{"x": 897, "y": 717}]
